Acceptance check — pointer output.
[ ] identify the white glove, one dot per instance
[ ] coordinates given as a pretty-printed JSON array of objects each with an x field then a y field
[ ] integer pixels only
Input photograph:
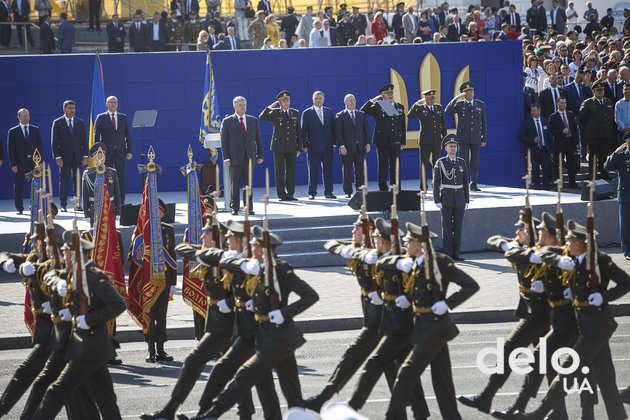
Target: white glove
[
  {"x": 250, "y": 267},
  {"x": 595, "y": 299},
  {"x": 249, "y": 305},
  {"x": 200, "y": 261},
  {"x": 9, "y": 266},
  {"x": 535, "y": 258},
  {"x": 223, "y": 307},
  {"x": 62, "y": 288},
  {"x": 27, "y": 269},
  {"x": 229, "y": 254},
  {"x": 438, "y": 205},
  {"x": 375, "y": 299},
  {"x": 172, "y": 292},
  {"x": 402, "y": 302},
  {"x": 466, "y": 206},
  {"x": 46, "y": 308},
  {"x": 504, "y": 246},
  {"x": 513, "y": 244},
  {"x": 371, "y": 257},
  {"x": 439, "y": 308},
  {"x": 81, "y": 323},
  {"x": 346, "y": 251},
  {"x": 567, "y": 293},
  {"x": 65, "y": 315},
  {"x": 566, "y": 263},
  {"x": 537, "y": 287},
  {"x": 404, "y": 264},
  {"x": 276, "y": 317}
]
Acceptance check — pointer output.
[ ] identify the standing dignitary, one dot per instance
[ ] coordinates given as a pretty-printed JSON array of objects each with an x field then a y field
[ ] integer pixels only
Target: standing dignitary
[
  {"x": 432, "y": 129},
  {"x": 534, "y": 134},
  {"x": 318, "y": 141},
  {"x": 558, "y": 17},
  {"x": 240, "y": 143},
  {"x": 622, "y": 113},
  {"x": 157, "y": 33},
  {"x": 175, "y": 33},
  {"x": 257, "y": 30},
  {"x": 5, "y": 17},
  {"x": 619, "y": 161},
  {"x": 548, "y": 98},
  {"x": 410, "y": 24},
  {"x": 597, "y": 118},
  {"x": 390, "y": 133},
  {"x": 46, "y": 37},
  {"x": 112, "y": 128},
  {"x": 286, "y": 143},
  {"x": 21, "y": 10},
  {"x": 471, "y": 128},
  {"x": 70, "y": 148},
  {"x": 24, "y": 138},
  {"x": 138, "y": 34},
  {"x": 98, "y": 152},
  {"x": 358, "y": 22},
  {"x": 353, "y": 136},
  {"x": 65, "y": 34},
  {"x": 115, "y": 35},
  {"x": 565, "y": 140},
  {"x": 192, "y": 28},
  {"x": 451, "y": 196}
]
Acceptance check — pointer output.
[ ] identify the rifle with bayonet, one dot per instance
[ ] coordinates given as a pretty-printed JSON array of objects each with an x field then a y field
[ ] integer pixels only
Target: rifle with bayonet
[
  {"x": 396, "y": 249},
  {"x": 51, "y": 234},
  {"x": 40, "y": 226},
  {"x": 427, "y": 245},
  {"x": 78, "y": 267},
  {"x": 246, "y": 224},
  {"x": 216, "y": 237},
  {"x": 365, "y": 221},
  {"x": 591, "y": 245},
  {"x": 559, "y": 214},
  {"x": 268, "y": 259},
  {"x": 529, "y": 222}
]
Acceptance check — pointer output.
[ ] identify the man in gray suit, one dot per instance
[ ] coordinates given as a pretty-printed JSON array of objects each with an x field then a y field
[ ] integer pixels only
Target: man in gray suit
[
  {"x": 352, "y": 132},
  {"x": 240, "y": 142},
  {"x": 410, "y": 23},
  {"x": 471, "y": 128},
  {"x": 558, "y": 17}
]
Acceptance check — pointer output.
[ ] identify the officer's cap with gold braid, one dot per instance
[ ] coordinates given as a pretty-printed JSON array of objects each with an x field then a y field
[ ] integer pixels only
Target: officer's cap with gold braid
[
  {"x": 208, "y": 226},
  {"x": 162, "y": 205},
  {"x": 257, "y": 237},
  {"x": 466, "y": 86},
  {"x": 388, "y": 88},
  {"x": 448, "y": 139},
  {"x": 359, "y": 221},
  {"x": 234, "y": 228},
  {"x": 383, "y": 229},
  {"x": 285, "y": 94},
  {"x": 547, "y": 222},
  {"x": 67, "y": 241},
  {"x": 223, "y": 228},
  {"x": 414, "y": 233},
  {"x": 576, "y": 231},
  {"x": 429, "y": 93},
  {"x": 96, "y": 146},
  {"x": 599, "y": 85},
  {"x": 521, "y": 219}
]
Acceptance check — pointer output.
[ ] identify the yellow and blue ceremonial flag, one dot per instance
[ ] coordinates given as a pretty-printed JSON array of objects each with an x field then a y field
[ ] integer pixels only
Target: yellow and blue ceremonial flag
[
  {"x": 210, "y": 122},
  {"x": 98, "y": 98}
]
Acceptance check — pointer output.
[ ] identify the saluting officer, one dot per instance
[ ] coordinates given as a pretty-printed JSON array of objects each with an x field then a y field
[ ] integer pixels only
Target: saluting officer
[
  {"x": 451, "y": 195},
  {"x": 98, "y": 152},
  {"x": 286, "y": 143},
  {"x": 619, "y": 161},
  {"x": 471, "y": 127},
  {"x": 390, "y": 133},
  {"x": 432, "y": 128}
]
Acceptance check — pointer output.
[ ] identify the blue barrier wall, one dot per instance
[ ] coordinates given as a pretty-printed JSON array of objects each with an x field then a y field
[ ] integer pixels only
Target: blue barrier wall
[{"x": 172, "y": 84}]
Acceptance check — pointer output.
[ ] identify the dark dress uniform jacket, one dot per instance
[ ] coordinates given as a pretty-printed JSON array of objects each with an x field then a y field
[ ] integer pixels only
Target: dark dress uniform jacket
[
  {"x": 395, "y": 321},
  {"x": 287, "y": 134},
  {"x": 62, "y": 330},
  {"x": 432, "y": 123},
  {"x": 36, "y": 287},
  {"x": 388, "y": 130},
  {"x": 69, "y": 147},
  {"x": 621, "y": 164},
  {"x": 111, "y": 178},
  {"x": 353, "y": 135},
  {"x": 597, "y": 119},
  {"x": 451, "y": 197},
  {"x": 168, "y": 242},
  {"x": 245, "y": 324},
  {"x": 471, "y": 122}
]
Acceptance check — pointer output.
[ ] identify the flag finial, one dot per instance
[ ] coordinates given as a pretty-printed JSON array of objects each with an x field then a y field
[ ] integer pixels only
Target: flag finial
[
  {"x": 190, "y": 155},
  {"x": 151, "y": 154}
]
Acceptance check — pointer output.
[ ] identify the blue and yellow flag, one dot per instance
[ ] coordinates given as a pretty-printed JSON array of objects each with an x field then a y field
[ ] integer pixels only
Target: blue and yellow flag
[
  {"x": 210, "y": 122},
  {"x": 98, "y": 97}
]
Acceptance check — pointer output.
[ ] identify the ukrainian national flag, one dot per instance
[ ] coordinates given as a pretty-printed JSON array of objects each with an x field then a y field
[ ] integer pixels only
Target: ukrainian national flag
[
  {"x": 98, "y": 98},
  {"x": 210, "y": 122}
]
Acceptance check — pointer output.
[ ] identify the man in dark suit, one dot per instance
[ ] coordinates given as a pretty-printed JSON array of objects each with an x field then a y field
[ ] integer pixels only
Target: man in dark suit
[
  {"x": 540, "y": 17},
  {"x": 94, "y": 11},
  {"x": 21, "y": 10},
  {"x": 565, "y": 139},
  {"x": 221, "y": 44},
  {"x": 265, "y": 6},
  {"x": 69, "y": 147},
  {"x": 157, "y": 33},
  {"x": 352, "y": 132},
  {"x": 5, "y": 30},
  {"x": 548, "y": 97},
  {"x": 65, "y": 34},
  {"x": 240, "y": 143},
  {"x": 535, "y": 135},
  {"x": 286, "y": 143},
  {"x": 578, "y": 92},
  {"x": 115, "y": 35},
  {"x": 513, "y": 18},
  {"x": 138, "y": 35},
  {"x": 232, "y": 40},
  {"x": 432, "y": 129},
  {"x": 112, "y": 128},
  {"x": 24, "y": 138},
  {"x": 397, "y": 21},
  {"x": 390, "y": 133},
  {"x": 613, "y": 89},
  {"x": 455, "y": 30},
  {"x": 189, "y": 7},
  {"x": 558, "y": 17},
  {"x": 46, "y": 37},
  {"x": 333, "y": 36},
  {"x": 318, "y": 137}
]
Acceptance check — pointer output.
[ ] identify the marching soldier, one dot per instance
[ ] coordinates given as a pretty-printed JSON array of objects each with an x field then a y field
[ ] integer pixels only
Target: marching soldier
[
  {"x": 286, "y": 143},
  {"x": 451, "y": 196},
  {"x": 174, "y": 33},
  {"x": 432, "y": 129},
  {"x": 390, "y": 133},
  {"x": 471, "y": 128},
  {"x": 97, "y": 152}
]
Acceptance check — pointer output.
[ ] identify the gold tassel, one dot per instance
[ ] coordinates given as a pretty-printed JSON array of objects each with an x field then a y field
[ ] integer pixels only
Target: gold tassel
[
  {"x": 227, "y": 280},
  {"x": 250, "y": 284},
  {"x": 540, "y": 272},
  {"x": 352, "y": 266},
  {"x": 408, "y": 281},
  {"x": 377, "y": 275}
]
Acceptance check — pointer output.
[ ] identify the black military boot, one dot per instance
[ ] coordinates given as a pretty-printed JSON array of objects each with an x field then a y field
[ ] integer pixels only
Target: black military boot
[
  {"x": 625, "y": 395},
  {"x": 481, "y": 402},
  {"x": 588, "y": 410},
  {"x": 538, "y": 414},
  {"x": 212, "y": 414},
  {"x": 315, "y": 403},
  {"x": 167, "y": 413},
  {"x": 519, "y": 405}
]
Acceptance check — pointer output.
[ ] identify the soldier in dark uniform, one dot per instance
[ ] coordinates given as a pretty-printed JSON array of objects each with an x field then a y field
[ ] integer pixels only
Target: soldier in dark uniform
[
  {"x": 390, "y": 134},
  {"x": 596, "y": 116},
  {"x": 344, "y": 27},
  {"x": 286, "y": 143},
  {"x": 532, "y": 311},
  {"x": 90, "y": 345},
  {"x": 432, "y": 129},
  {"x": 595, "y": 319},
  {"x": 219, "y": 325},
  {"x": 619, "y": 161},
  {"x": 358, "y": 22},
  {"x": 451, "y": 196},
  {"x": 396, "y": 323},
  {"x": 433, "y": 326},
  {"x": 471, "y": 128},
  {"x": 97, "y": 152},
  {"x": 174, "y": 32},
  {"x": 276, "y": 334}
]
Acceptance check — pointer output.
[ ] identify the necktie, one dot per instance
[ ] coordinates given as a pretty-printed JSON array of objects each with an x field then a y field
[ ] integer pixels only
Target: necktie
[
  {"x": 70, "y": 126},
  {"x": 457, "y": 25},
  {"x": 233, "y": 43},
  {"x": 243, "y": 126},
  {"x": 540, "y": 135},
  {"x": 320, "y": 115},
  {"x": 352, "y": 116},
  {"x": 114, "y": 121},
  {"x": 26, "y": 133},
  {"x": 566, "y": 125},
  {"x": 553, "y": 93},
  {"x": 138, "y": 26},
  {"x": 431, "y": 108},
  {"x": 513, "y": 19}
]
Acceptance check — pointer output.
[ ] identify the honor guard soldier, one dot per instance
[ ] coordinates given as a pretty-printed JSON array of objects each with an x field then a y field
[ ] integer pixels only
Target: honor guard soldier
[
  {"x": 390, "y": 133},
  {"x": 98, "y": 152},
  {"x": 451, "y": 196},
  {"x": 471, "y": 128},
  {"x": 286, "y": 143},
  {"x": 432, "y": 129}
]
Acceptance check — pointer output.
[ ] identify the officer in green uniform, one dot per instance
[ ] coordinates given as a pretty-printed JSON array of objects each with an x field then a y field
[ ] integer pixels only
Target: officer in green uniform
[
  {"x": 286, "y": 143},
  {"x": 98, "y": 152},
  {"x": 432, "y": 129},
  {"x": 174, "y": 33}
]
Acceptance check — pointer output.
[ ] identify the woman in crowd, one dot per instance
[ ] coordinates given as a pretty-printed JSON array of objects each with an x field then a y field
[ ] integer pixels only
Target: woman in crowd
[
  {"x": 473, "y": 31},
  {"x": 424, "y": 27},
  {"x": 490, "y": 21},
  {"x": 576, "y": 63},
  {"x": 534, "y": 73},
  {"x": 379, "y": 28},
  {"x": 481, "y": 24},
  {"x": 202, "y": 41},
  {"x": 273, "y": 31}
]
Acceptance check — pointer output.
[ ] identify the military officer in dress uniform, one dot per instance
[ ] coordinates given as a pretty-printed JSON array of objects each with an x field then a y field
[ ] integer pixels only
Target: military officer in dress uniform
[
  {"x": 471, "y": 128},
  {"x": 620, "y": 161},
  {"x": 432, "y": 129},
  {"x": 390, "y": 134},
  {"x": 451, "y": 195},
  {"x": 98, "y": 152},
  {"x": 286, "y": 143},
  {"x": 174, "y": 32}
]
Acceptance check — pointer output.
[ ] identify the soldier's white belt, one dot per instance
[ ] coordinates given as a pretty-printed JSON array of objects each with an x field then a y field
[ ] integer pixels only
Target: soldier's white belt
[
  {"x": 452, "y": 187},
  {"x": 92, "y": 199}
]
